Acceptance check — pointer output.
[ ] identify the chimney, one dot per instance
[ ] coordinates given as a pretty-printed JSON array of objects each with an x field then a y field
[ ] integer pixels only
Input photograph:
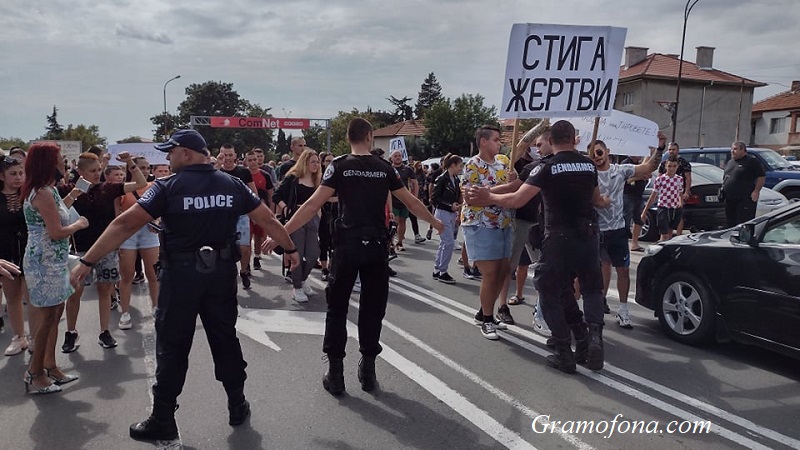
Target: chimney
[
  {"x": 705, "y": 57},
  {"x": 795, "y": 86},
  {"x": 634, "y": 55}
]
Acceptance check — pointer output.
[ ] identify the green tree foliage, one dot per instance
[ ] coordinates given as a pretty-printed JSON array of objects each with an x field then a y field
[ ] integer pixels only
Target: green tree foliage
[
  {"x": 430, "y": 92},
  {"x": 316, "y": 137},
  {"x": 283, "y": 144},
  {"x": 55, "y": 131},
  {"x": 402, "y": 110},
  {"x": 88, "y": 135},
  {"x": 215, "y": 98},
  {"x": 451, "y": 124},
  {"x": 9, "y": 142},
  {"x": 130, "y": 140}
]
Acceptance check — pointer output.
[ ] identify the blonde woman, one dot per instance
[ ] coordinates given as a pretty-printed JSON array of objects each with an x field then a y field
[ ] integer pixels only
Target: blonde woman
[{"x": 297, "y": 186}]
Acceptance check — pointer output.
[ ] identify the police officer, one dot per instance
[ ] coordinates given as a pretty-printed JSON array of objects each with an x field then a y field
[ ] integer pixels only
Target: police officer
[
  {"x": 362, "y": 182},
  {"x": 568, "y": 183},
  {"x": 199, "y": 207}
]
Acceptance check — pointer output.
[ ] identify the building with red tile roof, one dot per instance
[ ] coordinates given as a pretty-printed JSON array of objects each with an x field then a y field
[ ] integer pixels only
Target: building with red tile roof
[
  {"x": 709, "y": 112},
  {"x": 775, "y": 121}
]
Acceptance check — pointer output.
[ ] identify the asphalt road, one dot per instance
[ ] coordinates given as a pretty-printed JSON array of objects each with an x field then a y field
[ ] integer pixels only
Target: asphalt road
[{"x": 442, "y": 385}]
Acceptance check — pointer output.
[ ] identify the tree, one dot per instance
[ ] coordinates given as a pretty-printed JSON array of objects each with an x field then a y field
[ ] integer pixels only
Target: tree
[
  {"x": 430, "y": 92},
  {"x": 283, "y": 145},
  {"x": 130, "y": 140},
  {"x": 316, "y": 137},
  {"x": 215, "y": 98},
  {"x": 88, "y": 135},
  {"x": 55, "y": 132},
  {"x": 450, "y": 125},
  {"x": 402, "y": 110},
  {"x": 10, "y": 142}
]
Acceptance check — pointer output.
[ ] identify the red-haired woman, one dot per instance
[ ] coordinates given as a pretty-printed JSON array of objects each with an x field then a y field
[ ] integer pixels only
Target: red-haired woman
[{"x": 45, "y": 262}]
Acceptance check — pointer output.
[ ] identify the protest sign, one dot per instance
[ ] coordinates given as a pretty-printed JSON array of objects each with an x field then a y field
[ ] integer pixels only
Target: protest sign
[
  {"x": 623, "y": 133},
  {"x": 69, "y": 149},
  {"x": 561, "y": 70},
  {"x": 398, "y": 144},
  {"x": 138, "y": 149}
]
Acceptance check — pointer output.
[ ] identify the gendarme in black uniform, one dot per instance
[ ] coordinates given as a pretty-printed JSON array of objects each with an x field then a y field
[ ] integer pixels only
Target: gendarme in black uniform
[
  {"x": 360, "y": 247},
  {"x": 570, "y": 248},
  {"x": 199, "y": 207}
]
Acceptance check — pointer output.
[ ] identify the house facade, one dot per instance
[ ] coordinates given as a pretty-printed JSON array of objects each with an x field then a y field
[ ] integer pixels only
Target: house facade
[
  {"x": 412, "y": 130},
  {"x": 714, "y": 105},
  {"x": 775, "y": 122}
]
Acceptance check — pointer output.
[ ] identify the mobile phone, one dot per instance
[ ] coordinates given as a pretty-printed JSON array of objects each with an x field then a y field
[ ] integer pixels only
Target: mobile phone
[{"x": 83, "y": 185}]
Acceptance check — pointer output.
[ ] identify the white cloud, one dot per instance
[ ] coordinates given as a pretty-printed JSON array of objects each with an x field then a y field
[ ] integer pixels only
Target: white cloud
[{"x": 105, "y": 63}]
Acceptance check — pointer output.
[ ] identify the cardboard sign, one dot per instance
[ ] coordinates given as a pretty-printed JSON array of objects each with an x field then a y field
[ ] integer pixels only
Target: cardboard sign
[
  {"x": 398, "y": 143},
  {"x": 69, "y": 149},
  {"x": 561, "y": 70},
  {"x": 154, "y": 157},
  {"x": 623, "y": 133}
]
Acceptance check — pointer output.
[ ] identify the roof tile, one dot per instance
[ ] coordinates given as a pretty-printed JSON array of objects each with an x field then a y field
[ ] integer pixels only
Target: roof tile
[
  {"x": 657, "y": 65},
  {"x": 404, "y": 128},
  {"x": 785, "y": 100}
]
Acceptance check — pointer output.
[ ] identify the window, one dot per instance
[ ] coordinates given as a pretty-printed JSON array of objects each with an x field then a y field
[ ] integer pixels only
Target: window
[
  {"x": 627, "y": 98},
  {"x": 785, "y": 233},
  {"x": 777, "y": 125}
]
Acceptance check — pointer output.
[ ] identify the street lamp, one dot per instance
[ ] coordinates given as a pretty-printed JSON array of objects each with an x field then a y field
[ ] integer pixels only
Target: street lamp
[
  {"x": 686, "y": 10},
  {"x": 165, "y": 103}
]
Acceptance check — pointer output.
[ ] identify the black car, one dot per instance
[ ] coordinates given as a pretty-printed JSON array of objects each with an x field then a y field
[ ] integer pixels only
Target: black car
[
  {"x": 741, "y": 283},
  {"x": 701, "y": 211}
]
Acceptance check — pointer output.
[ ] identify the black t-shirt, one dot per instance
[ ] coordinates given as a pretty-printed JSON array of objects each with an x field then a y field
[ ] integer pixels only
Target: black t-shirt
[
  {"x": 362, "y": 183},
  {"x": 635, "y": 189},
  {"x": 567, "y": 180},
  {"x": 240, "y": 173},
  {"x": 740, "y": 177},
  {"x": 406, "y": 174},
  {"x": 530, "y": 210},
  {"x": 97, "y": 205},
  {"x": 284, "y": 167},
  {"x": 198, "y": 206}
]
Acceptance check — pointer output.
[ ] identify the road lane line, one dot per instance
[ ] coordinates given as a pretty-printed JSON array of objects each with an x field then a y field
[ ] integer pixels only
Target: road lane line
[
  {"x": 632, "y": 377},
  {"x": 255, "y": 323},
  {"x": 668, "y": 408}
]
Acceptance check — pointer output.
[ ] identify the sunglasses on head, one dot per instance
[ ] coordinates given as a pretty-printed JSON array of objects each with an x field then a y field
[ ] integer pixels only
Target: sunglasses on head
[{"x": 11, "y": 161}]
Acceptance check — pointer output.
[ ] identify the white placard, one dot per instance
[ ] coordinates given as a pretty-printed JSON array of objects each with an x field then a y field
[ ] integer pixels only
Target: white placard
[
  {"x": 561, "y": 70},
  {"x": 623, "y": 133},
  {"x": 398, "y": 143},
  {"x": 69, "y": 149},
  {"x": 147, "y": 150}
]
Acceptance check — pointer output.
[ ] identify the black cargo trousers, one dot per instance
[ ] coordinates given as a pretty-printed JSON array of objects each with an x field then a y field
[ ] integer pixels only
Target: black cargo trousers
[
  {"x": 357, "y": 252},
  {"x": 565, "y": 255},
  {"x": 185, "y": 293}
]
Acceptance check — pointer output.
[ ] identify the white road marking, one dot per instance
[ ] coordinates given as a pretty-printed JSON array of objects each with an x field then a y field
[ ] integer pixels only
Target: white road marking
[
  {"x": 258, "y": 322},
  {"x": 728, "y": 434}
]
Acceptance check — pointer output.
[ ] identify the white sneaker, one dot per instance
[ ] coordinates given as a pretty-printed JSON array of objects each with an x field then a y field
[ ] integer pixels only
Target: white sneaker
[
  {"x": 623, "y": 318},
  {"x": 17, "y": 345},
  {"x": 125, "y": 321},
  {"x": 539, "y": 324},
  {"x": 299, "y": 296},
  {"x": 307, "y": 289},
  {"x": 357, "y": 286},
  {"x": 489, "y": 331}
]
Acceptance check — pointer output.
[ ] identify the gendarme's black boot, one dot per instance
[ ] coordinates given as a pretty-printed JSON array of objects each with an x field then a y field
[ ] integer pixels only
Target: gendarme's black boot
[
  {"x": 238, "y": 407},
  {"x": 366, "y": 373},
  {"x": 581, "y": 333},
  {"x": 160, "y": 426},
  {"x": 595, "y": 357},
  {"x": 562, "y": 359},
  {"x": 333, "y": 381}
]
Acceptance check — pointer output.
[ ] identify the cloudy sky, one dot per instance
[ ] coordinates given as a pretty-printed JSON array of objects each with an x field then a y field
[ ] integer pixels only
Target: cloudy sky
[{"x": 105, "y": 63}]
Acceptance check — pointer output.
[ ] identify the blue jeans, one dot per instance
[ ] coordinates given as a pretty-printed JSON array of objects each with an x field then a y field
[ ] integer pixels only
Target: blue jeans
[{"x": 446, "y": 240}]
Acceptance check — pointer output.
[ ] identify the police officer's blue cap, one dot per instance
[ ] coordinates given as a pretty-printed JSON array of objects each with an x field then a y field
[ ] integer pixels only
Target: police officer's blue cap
[{"x": 190, "y": 139}]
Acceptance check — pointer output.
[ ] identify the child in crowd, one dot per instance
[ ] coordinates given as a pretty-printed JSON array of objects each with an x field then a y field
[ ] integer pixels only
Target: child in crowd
[{"x": 668, "y": 187}]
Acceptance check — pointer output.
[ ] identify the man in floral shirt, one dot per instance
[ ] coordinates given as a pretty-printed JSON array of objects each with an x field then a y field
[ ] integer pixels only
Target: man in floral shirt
[{"x": 487, "y": 230}]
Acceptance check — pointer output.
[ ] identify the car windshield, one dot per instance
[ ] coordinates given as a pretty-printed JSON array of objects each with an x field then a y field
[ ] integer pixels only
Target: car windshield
[{"x": 775, "y": 161}]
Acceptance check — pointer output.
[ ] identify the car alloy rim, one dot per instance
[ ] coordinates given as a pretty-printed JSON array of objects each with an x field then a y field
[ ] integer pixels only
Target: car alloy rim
[{"x": 682, "y": 308}]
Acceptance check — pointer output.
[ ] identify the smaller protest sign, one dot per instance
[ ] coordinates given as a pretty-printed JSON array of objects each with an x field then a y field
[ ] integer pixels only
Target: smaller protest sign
[
  {"x": 398, "y": 143},
  {"x": 138, "y": 149},
  {"x": 623, "y": 133}
]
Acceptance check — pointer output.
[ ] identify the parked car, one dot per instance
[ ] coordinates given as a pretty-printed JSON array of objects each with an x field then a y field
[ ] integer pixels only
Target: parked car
[
  {"x": 703, "y": 210},
  {"x": 781, "y": 175},
  {"x": 739, "y": 284}
]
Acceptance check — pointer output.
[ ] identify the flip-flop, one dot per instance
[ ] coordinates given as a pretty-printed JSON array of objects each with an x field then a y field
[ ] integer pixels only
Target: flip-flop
[
  {"x": 637, "y": 249},
  {"x": 514, "y": 300}
]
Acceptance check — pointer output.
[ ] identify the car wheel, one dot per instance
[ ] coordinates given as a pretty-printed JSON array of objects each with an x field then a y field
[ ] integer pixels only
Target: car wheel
[
  {"x": 687, "y": 309},
  {"x": 649, "y": 231}
]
